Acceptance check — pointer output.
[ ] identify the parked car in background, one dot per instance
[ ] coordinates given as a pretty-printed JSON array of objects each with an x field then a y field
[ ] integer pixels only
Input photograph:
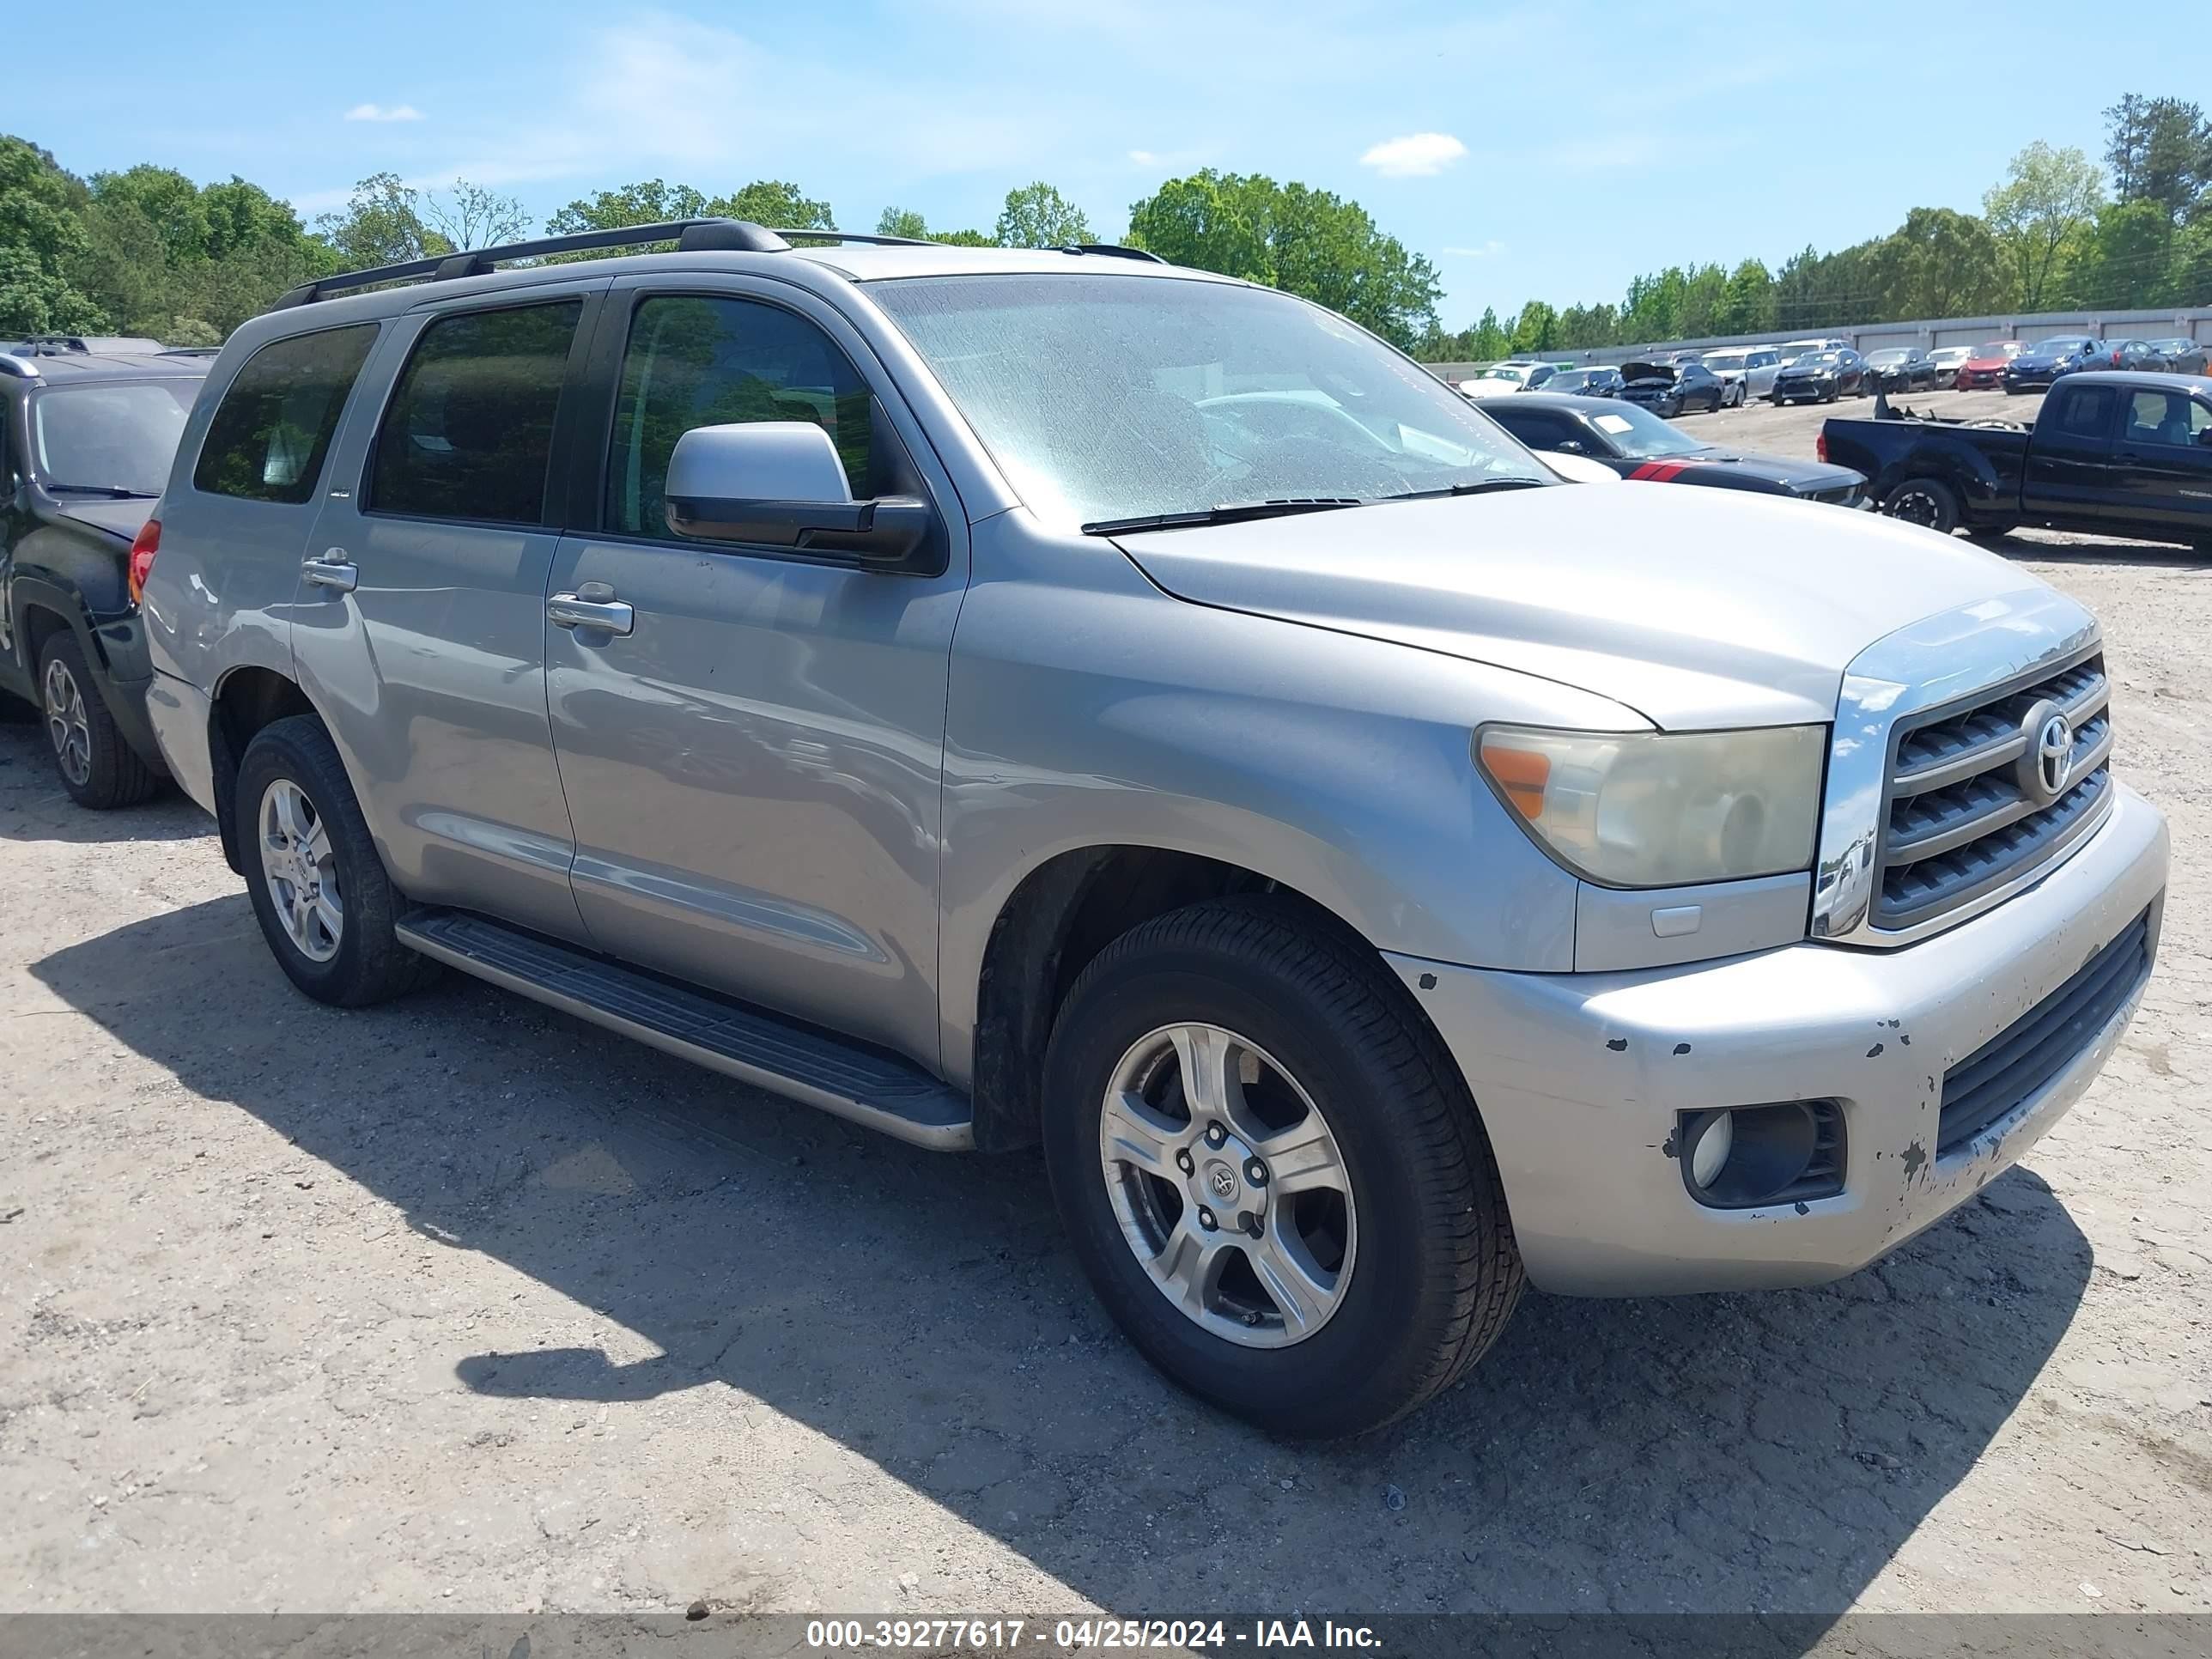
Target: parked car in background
[
  {"x": 2137, "y": 356},
  {"x": 1645, "y": 449},
  {"x": 86, "y": 439},
  {"x": 2182, "y": 356},
  {"x": 1986, "y": 363},
  {"x": 2111, "y": 452},
  {"x": 1601, "y": 380},
  {"x": 2044, "y": 362},
  {"x": 1752, "y": 367},
  {"x": 1669, "y": 389},
  {"x": 1948, "y": 360},
  {"x": 1502, "y": 380},
  {"x": 65, "y": 345},
  {"x": 1821, "y": 377},
  {"x": 1791, "y": 351},
  {"x": 841, "y": 679},
  {"x": 1901, "y": 368}
]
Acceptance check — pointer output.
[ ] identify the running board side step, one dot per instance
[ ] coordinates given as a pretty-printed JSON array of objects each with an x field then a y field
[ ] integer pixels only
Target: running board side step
[{"x": 871, "y": 1088}]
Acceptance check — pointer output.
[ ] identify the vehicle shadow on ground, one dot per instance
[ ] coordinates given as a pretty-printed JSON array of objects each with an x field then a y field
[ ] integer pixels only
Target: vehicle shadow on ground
[
  {"x": 1719, "y": 1454},
  {"x": 2140, "y": 556},
  {"x": 33, "y": 805}
]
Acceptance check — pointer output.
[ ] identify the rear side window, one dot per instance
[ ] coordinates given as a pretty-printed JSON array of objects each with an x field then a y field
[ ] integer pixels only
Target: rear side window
[
  {"x": 469, "y": 432},
  {"x": 2086, "y": 411},
  {"x": 273, "y": 428},
  {"x": 697, "y": 361}
]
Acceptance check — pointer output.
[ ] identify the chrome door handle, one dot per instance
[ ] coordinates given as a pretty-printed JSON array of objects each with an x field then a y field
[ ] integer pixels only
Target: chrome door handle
[
  {"x": 588, "y": 609},
  {"x": 332, "y": 570}
]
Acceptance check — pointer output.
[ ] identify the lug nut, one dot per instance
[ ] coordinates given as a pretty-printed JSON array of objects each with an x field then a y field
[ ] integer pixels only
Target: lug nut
[
  {"x": 1255, "y": 1172},
  {"x": 1252, "y": 1317},
  {"x": 1183, "y": 1161},
  {"x": 1248, "y": 1223},
  {"x": 1215, "y": 1135},
  {"x": 1205, "y": 1219}
]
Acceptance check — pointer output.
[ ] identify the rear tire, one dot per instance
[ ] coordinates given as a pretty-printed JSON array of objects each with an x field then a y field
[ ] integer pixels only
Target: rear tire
[
  {"x": 319, "y": 890},
  {"x": 96, "y": 765},
  {"x": 1401, "y": 1214},
  {"x": 1929, "y": 502}
]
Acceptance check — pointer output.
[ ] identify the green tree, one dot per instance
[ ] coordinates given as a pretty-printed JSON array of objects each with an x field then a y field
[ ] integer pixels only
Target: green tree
[
  {"x": 1488, "y": 342},
  {"x": 382, "y": 224},
  {"x": 1942, "y": 263},
  {"x": 775, "y": 204},
  {"x": 168, "y": 202},
  {"x": 1746, "y": 305},
  {"x": 1037, "y": 215},
  {"x": 41, "y": 232},
  {"x": 901, "y": 222},
  {"x": 473, "y": 216},
  {"x": 1309, "y": 242},
  {"x": 2128, "y": 260},
  {"x": 2038, "y": 215},
  {"x": 2160, "y": 151},
  {"x": 1536, "y": 329}
]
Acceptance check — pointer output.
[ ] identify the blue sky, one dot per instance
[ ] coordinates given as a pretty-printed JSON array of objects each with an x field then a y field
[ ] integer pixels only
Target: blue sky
[{"x": 1548, "y": 150}]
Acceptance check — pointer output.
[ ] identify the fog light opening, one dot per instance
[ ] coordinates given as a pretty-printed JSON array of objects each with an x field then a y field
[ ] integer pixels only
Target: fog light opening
[{"x": 1742, "y": 1158}]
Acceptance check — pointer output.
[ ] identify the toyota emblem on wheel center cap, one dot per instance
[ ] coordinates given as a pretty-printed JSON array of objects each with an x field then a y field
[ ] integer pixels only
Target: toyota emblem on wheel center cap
[
  {"x": 1223, "y": 1182},
  {"x": 2046, "y": 765}
]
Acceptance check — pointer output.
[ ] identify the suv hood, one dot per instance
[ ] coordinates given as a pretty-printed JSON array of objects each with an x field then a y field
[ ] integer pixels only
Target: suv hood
[
  {"x": 1696, "y": 608},
  {"x": 118, "y": 518}
]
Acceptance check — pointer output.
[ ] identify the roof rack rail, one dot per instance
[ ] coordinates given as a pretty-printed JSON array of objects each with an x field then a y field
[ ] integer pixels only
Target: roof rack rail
[
  {"x": 1115, "y": 251},
  {"x": 872, "y": 239},
  {"x": 690, "y": 235}
]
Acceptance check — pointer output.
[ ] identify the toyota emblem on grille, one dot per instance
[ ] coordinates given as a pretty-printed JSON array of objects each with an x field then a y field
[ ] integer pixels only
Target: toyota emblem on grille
[{"x": 2047, "y": 766}]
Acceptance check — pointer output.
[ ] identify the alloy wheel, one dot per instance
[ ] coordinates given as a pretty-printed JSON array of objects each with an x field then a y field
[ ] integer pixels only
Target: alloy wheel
[
  {"x": 301, "y": 869},
  {"x": 67, "y": 727},
  {"x": 1229, "y": 1188}
]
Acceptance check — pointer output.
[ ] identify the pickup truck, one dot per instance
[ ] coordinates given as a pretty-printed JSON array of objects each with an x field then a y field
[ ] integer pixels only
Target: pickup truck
[{"x": 2115, "y": 454}]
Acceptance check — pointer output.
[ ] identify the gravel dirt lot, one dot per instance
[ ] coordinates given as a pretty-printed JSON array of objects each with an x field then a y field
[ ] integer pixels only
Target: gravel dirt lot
[{"x": 460, "y": 1305}]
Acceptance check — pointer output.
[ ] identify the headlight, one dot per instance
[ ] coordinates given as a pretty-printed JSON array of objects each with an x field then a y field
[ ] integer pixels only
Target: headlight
[{"x": 1662, "y": 809}]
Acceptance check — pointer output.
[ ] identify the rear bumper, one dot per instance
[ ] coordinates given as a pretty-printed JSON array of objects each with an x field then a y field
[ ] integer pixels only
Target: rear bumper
[
  {"x": 1581, "y": 1079},
  {"x": 176, "y": 713}
]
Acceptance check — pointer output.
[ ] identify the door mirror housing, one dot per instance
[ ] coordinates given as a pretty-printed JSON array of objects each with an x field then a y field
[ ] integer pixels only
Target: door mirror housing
[{"x": 781, "y": 483}]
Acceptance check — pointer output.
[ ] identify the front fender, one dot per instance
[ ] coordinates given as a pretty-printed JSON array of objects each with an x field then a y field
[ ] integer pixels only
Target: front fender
[{"x": 1088, "y": 709}]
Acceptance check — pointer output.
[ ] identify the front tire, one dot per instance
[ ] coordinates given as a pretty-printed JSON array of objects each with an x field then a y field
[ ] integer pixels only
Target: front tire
[
  {"x": 1272, "y": 1172},
  {"x": 97, "y": 766},
  {"x": 319, "y": 890},
  {"x": 1929, "y": 502}
]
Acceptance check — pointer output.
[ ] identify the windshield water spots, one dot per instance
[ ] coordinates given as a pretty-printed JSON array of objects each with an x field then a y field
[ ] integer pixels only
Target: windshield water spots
[{"x": 1105, "y": 398}]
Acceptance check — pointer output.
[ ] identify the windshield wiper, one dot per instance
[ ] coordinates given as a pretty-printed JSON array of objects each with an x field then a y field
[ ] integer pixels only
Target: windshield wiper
[
  {"x": 116, "y": 491},
  {"x": 1476, "y": 487},
  {"x": 1232, "y": 512}
]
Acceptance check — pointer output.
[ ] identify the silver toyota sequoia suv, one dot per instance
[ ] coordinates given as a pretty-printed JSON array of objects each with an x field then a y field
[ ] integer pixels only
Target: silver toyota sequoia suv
[{"x": 1016, "y": 698}]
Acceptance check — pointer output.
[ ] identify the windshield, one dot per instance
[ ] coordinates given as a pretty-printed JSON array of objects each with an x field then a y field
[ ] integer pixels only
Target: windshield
[
  {"x": 1635, "y": 430},
  {"x": 1500, "y": 374},
  {"x": 1722, "y": 361},
  {"x": 1995, "y": 348},
  {"x": 116, "y": 437},
  {"x": 2063, "y": 343},
  {"x": 1813, "y": 359},
  {"x": 1112, "y": 397},
  {"x": 1886, "y": 358}
]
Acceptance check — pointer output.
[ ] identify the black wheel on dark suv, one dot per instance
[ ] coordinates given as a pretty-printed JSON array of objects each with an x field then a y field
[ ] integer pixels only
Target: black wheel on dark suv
[
  {"x": 319, "y": 888},
  {"x": 1272, "y": 1171},
  {"x": 98, "y": 766}
]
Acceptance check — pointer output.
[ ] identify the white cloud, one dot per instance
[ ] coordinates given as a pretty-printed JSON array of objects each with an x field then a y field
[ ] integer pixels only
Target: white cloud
[
  {"x": 1144, "y": 158},
  {"x": 1417, "y": 155},
  {"x": 382, "y": 112},
  {"x": 1485, "y": 251}
]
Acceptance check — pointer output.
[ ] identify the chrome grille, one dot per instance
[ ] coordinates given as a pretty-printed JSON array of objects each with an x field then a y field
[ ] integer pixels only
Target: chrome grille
[{"x": 1958, "y": 821}]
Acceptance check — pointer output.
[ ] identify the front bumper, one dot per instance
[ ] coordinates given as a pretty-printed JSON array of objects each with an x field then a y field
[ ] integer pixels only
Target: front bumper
[{"x": 1581, "y": 1077}]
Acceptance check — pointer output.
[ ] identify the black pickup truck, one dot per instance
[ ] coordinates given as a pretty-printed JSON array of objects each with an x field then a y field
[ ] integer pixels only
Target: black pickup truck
[{"x": 2114, "y": 454}]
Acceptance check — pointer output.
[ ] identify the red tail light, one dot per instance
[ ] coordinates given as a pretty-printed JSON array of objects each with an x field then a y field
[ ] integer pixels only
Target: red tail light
[
  {"x": 142, "y": 558},
  {"x": 1821, "y": 447}
]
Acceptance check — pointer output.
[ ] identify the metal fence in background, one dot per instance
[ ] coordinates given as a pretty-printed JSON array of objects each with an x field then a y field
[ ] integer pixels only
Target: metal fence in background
[{"x": 2191, "y": 322}]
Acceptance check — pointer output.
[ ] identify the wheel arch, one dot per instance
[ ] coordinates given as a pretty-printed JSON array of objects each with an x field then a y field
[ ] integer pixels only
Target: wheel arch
[{"x": 246, "y": 699}]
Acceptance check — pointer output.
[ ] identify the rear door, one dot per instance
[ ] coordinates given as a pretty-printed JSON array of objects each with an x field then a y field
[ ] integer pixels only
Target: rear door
[
  {"x": 754, "y": 765},
  {"x": 421, "y": 629},
  {"x": 2163, "y": 464},
  {"x": 2069, "y": 457}
]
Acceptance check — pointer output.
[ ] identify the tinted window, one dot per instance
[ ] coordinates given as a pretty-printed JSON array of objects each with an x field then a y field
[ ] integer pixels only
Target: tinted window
[
  {"x": 270, "y": 434},
  {"x": 694, "y": 363},
  {"x": 123, "y": 436},
  {"x": 2086, "y": 411},
  {"x": 469, "y": 434},
  {"x": 1540, "y": 428}
]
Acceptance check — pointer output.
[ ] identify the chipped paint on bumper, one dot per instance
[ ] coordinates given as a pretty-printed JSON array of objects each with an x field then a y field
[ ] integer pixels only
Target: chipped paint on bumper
[{"x": 1580, "y": 1078}]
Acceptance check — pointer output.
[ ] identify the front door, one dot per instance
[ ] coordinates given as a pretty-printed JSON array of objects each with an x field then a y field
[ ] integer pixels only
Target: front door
[
  {"x": 2069, "y": 457},
  {"x": 2164, "y": 464},
  {"x": 753, "y": 767},
  {"x": 420, "y": 630}
]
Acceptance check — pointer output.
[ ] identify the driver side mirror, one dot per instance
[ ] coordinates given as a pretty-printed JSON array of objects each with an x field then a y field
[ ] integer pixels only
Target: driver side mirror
[{"x": 780, "y": 484}]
